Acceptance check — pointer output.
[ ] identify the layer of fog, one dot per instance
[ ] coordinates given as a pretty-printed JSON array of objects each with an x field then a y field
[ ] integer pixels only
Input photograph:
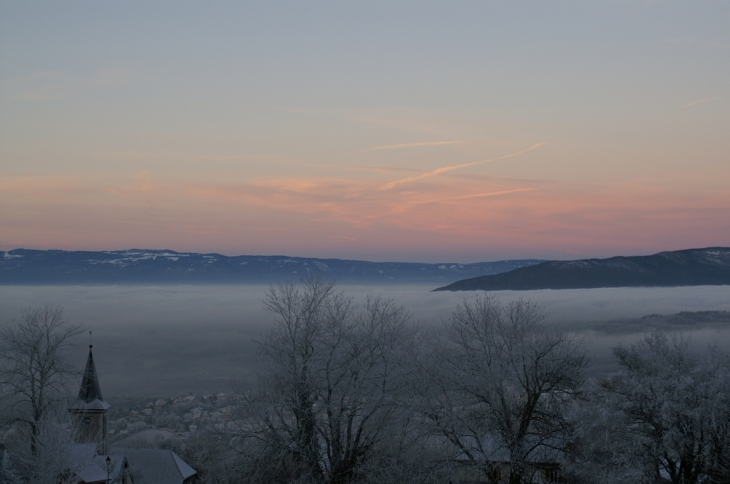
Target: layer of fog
[{"x": 165, "y": 340}]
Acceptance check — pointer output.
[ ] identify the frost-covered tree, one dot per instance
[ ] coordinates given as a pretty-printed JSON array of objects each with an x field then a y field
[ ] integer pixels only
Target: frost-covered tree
[
  {"x": 676, "y": 409},
  {"x": 52, "y": 460},
  {"x": 603, "y": 448},
  {"x": 499, "y": 387},
  {"x": 329, "y": 403},
  {"x": 8, "y": 473},
  {"x": 33, "y": 368}
]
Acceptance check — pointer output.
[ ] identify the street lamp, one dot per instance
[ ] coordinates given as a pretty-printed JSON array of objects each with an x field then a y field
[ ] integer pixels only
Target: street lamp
[{"x": 108, "y": 469}]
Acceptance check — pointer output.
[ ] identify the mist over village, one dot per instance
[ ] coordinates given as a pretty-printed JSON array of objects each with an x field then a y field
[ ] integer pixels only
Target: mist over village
[{"x": 365, "y": 242}]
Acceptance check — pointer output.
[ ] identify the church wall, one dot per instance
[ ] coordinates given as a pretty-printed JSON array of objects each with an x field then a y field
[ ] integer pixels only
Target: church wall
[{"x": 91, "y": 428}]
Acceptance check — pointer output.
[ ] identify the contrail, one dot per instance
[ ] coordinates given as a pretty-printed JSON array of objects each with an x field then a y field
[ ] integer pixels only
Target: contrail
[
  {"x": 412, "y": 145},
  {"x": 439, "y": 171},
  {"x": 494, "y": 194},
  {"x": 701, "y": 101}
]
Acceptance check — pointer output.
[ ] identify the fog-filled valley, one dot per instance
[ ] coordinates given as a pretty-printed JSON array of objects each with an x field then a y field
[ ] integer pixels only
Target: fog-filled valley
[
  {"x": 312, "y": 382},
  {"x": 161, "y": 341}
]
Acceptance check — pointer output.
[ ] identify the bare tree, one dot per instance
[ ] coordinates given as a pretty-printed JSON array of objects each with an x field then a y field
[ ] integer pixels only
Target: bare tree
[
  {"x": 33, "y": 368},
  {"x": 499, "y": 387},
  {"x": 328, "y": 404}
]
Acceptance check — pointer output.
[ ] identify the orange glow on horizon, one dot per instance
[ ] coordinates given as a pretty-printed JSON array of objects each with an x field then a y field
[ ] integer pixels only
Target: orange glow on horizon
[{"x": 316, "y": 215}]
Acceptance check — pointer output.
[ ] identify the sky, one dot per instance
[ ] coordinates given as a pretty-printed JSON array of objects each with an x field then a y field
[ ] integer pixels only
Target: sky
[{"x": 449, "y": 131}]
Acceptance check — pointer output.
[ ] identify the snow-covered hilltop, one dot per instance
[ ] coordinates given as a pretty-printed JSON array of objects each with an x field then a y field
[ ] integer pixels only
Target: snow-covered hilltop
[
  {"x": 691, "y": 267},
  {"x": 23, "y": 266}
]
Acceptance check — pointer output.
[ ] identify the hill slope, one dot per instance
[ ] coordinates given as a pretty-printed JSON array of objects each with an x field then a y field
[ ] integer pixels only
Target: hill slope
[
  {"x": 692, "y": 267},
  {"x": 22, "y": 266}
]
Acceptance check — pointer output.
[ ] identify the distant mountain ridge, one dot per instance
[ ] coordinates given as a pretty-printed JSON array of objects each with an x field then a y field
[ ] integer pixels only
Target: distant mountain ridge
[
  {"x": 136, "y": 266},
  {"x": 690, "y": 267}
]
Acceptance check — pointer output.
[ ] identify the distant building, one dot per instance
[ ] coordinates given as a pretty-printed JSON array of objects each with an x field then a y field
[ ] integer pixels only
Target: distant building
[
  {"x": 89, "y": 412},
  {"x": 95, "y": 463}
]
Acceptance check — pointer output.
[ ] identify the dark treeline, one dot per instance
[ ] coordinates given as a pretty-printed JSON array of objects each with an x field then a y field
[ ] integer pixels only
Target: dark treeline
[{"x": 356, "y": 393}]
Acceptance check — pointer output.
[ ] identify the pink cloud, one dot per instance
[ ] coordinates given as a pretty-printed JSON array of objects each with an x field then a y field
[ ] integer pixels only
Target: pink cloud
[{"x": 329, "y": 216}]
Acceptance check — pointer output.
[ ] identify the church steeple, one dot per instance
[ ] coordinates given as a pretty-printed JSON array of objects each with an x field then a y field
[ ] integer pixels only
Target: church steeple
[
  {"x": 90, "y": 409},
  {"x": 90, "y": 389}
]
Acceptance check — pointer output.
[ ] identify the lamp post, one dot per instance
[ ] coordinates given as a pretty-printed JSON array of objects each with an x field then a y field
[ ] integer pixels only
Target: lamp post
[{"x": 108, "y": 469}]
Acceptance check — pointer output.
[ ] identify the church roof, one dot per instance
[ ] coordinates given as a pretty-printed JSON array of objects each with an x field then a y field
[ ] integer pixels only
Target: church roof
[
  {"x": 155, "y": 466},
  {"x": 91, "y": 468},
  {"x": 90, "y": 392}
]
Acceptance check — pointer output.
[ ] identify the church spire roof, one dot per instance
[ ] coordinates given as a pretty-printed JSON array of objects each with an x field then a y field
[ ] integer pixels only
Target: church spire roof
[{"x": 90, "y": 391}]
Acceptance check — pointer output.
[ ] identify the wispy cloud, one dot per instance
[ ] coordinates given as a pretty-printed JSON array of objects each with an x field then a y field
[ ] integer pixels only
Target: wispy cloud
[
  {"x": 385, "y": 169},
  {"x": 407, "y": 120},
  {"x": 412, "y": 145},
  {"x": 446, "y": 169},
  {"x": 350, "y": 239},
  {"x": 701, "y": 101},
  {"x": 494, "y": 194},
  {"x": 54, "y": 85},
  {"x": 297, "y": 214},
  {"x": 143, "y": 184}
]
